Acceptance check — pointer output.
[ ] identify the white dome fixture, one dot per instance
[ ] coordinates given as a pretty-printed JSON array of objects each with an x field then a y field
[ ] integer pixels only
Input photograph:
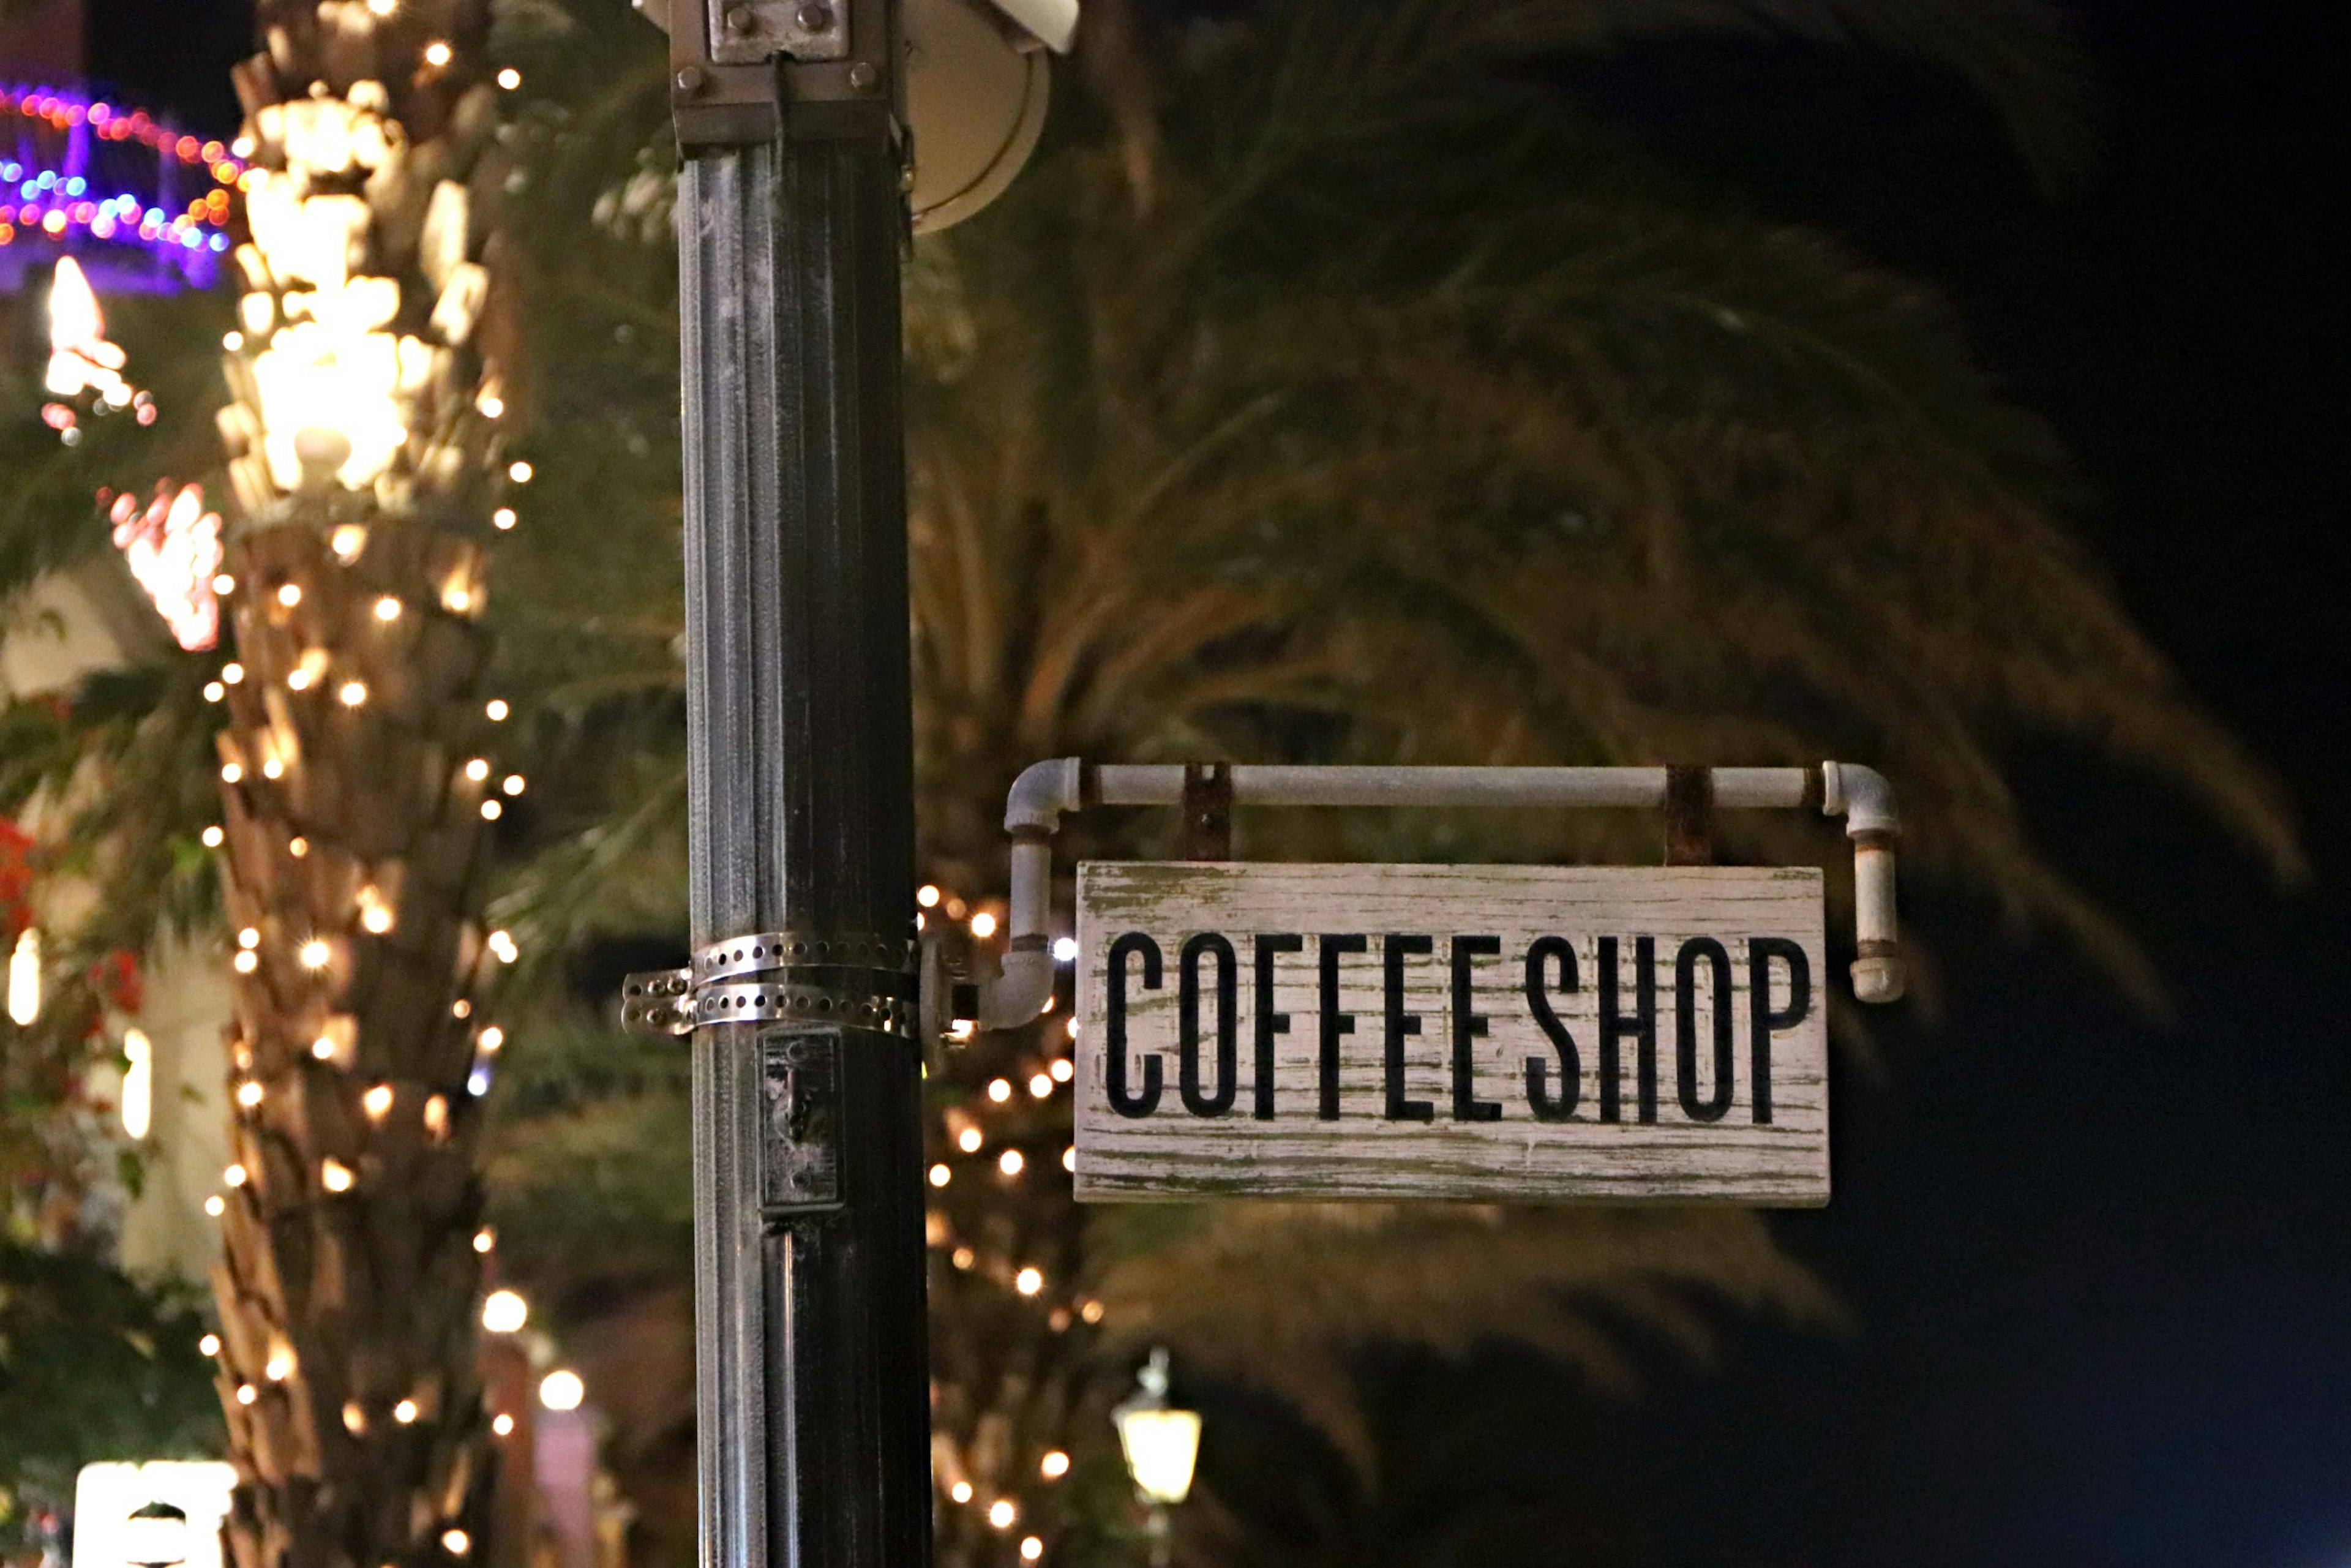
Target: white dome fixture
[{"x": 975, "y": 100}]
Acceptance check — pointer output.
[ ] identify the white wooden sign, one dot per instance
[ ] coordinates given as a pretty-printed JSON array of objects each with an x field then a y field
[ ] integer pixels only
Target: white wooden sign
[{"x": 1521, "y": 1033}]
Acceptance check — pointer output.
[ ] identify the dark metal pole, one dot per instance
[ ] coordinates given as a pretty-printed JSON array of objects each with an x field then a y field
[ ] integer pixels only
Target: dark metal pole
[{"x": 808, "y": 1252}]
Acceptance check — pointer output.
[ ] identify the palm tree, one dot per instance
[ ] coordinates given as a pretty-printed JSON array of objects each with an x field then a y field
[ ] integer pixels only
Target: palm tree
[{"x": 366, "y": 435}]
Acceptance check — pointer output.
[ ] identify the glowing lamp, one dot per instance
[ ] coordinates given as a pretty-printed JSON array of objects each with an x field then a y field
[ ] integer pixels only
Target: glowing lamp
[{"x": 1161, "y": 1443}]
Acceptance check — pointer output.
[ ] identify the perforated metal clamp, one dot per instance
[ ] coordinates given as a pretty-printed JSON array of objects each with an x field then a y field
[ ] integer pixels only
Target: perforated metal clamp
[{"x": 861, "y": 980}]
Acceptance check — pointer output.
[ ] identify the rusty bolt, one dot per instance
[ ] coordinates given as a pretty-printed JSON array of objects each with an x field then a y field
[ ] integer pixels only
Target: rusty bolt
[
  {"x": 814, "y": 18},
  {"x": 690, "y": 79},
  {"x": 739, "y": 18},
  {"x": 863, "y": 77}
]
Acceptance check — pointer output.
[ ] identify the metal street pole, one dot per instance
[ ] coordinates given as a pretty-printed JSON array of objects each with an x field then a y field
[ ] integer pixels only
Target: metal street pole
[{"x": 808, "y": 1252}]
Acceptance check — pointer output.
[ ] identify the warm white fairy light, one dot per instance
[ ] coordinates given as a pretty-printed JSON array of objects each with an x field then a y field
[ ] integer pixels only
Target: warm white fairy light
[
  {"x": 216, "y": 1206},
  {"x": 963, "y": 1258},
  {"x": 234, "y": 1176},
  {"x": 1070, "y": 1159},
  {"x": 323, "y": 1048},
  {"x": 496, "y": 710},
  {"x": 404, "y": 1412},
  {"x": 245, "y": 963},
  {"x": 223, "y": 585},
  {"x": 502, "y": 1423},
  {"x": 214, "y": 692},
  {"x": 478, "y": 768},
  {"x": 502, "y": 947},
  {"x": 246, "y": 1394},
  {"x": 503, "y": 518},
  {"x": 249, "y": 937},
  {"x": 281, "y": 1365},
  {"x": 999, "y": 1089},
  {"x": 982, "y": 925},
  {"x": 80, "y": 358},
  {"x": 298, "y": 846},
  {"x": 386, "y": 608},
  {"x": 354, "y": 1418},
  {"x": 1010, "y": 1162},
  {"x": 24, "y": 977},
  {"x": 1092, "y": 1311},
  {"x": 377, "y": 1101},
  {"x": 1054, "y": 1464},
  {"x": 172, "y": 548},
  {"x": 927, "y": 896},
  {"x": 492, "y": 406},
  {"x": 493, "y": 1037},
  {"x": 315, "y": 954},
  {"x": 1072, "y": 1027},
  {"x": 461, "y": 1008},
  {"x": 941, "y": 1176},
  {"x": 1065, "y": 950},
  {"x": 1062, "y": 1072},
  {"x": 510, "y": 78},
  {"x": 519, "y": 471},
  {"x": 513, "y": 784},
  {"x": 436, "y": 1117},
  {"x": 1040, "y": 1086},
  {"x": 249, "y": 1094},
  {"x": 1028, "y": 1282},
  {"x": 209, "y": 1345},
  {"x": 960, "y": 1492},
  {"x": 505, "y": 1311},
  {"x": 232, "y": 674},
  {"x": 1001, "y": 1513},
  {"x": 968, "y": 1140},
  {"x": 290, "y": 594},
  {"x": 214, "y": 837},
  {"x": 349, "y": 541},
  {"x": 231, "y": 773},
  {"x": 1032, "y": 1549},
  {"x": 272, "y": 769},
  {"x": 562, "y": 1390},
  {"x": 485, "y": 1239},
  {"x": 384, "y": 7},
  {"x": 334, "y": 1175}
]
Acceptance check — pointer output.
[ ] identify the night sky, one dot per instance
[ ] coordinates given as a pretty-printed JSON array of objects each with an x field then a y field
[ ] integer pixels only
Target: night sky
[{"x": 2098, "y": 1268}]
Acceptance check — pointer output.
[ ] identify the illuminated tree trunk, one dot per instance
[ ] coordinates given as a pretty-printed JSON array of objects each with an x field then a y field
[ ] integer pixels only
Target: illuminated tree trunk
[{"x": 365, "y": 445}]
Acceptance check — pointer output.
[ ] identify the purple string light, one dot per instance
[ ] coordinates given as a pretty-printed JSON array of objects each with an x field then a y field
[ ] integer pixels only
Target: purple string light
[{"x": 62, "y": 186}]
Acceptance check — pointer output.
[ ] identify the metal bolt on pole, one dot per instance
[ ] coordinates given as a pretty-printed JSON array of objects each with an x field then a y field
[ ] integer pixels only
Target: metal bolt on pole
[{"x": 809, "y": 1253}]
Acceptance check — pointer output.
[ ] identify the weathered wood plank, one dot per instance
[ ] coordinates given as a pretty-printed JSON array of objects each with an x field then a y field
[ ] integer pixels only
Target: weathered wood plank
[{"x": 1464, "y": 1115}]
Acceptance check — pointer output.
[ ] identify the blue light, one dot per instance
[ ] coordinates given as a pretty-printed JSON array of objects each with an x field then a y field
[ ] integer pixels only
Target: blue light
[
  {"x": 478, "y": 1083},
  {"x": 11, "y": 171},
  {"x": 48, "y": 177},
  {"x": 77, "y": 185},
  {"x": 220, "y": 241}
]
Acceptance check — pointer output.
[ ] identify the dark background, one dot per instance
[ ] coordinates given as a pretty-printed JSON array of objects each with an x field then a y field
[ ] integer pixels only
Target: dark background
[{"x": 2097, "y": 1268}]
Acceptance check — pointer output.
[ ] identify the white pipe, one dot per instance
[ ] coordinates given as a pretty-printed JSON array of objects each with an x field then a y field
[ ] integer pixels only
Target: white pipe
[
  {"x": 1865, "y": 801},
  {"x": 1046, "y": 790}
]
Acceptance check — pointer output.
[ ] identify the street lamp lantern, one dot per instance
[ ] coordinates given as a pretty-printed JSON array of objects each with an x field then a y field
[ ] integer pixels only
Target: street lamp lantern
[
  {"x": 156, "y": 1536},
  {"x": 1161, "y": 1444}
]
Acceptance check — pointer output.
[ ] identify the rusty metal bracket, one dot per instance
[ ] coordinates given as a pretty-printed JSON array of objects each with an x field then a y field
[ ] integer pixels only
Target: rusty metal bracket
[
  {"x": 1207, "y": 811},
  {"x": 1689, "y": 816},
  {"x": 745, "y": 73}
]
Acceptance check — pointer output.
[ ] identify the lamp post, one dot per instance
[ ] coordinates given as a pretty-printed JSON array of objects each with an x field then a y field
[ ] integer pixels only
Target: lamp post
[{"x": 1162, "y": 1444}]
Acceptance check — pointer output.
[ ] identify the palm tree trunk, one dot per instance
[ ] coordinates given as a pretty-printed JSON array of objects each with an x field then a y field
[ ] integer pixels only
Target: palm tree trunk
[{"x": 363, "y": 436}]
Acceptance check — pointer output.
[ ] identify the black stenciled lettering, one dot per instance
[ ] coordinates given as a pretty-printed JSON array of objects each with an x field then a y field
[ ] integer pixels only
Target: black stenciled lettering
[
  {"x": 1469, "y": 1025},
  {"x": 1395, "y": 949},
  {"x": 1187, "y": 1024},
  {"x": 1334, "y": 1022},
  {"x": 1269, "y": 1022},
  {"x": 1642, "y": 1027},
  {"x": 1544, "y": 952},
  {"x": 1686, "y": 964},
  {"x": 1762, "y": 1018},
  {"x": 1114, "y": 1048}
]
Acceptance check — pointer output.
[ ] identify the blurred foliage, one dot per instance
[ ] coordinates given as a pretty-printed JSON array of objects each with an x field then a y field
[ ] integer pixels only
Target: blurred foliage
[{"x": 93, "y": 1367}]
